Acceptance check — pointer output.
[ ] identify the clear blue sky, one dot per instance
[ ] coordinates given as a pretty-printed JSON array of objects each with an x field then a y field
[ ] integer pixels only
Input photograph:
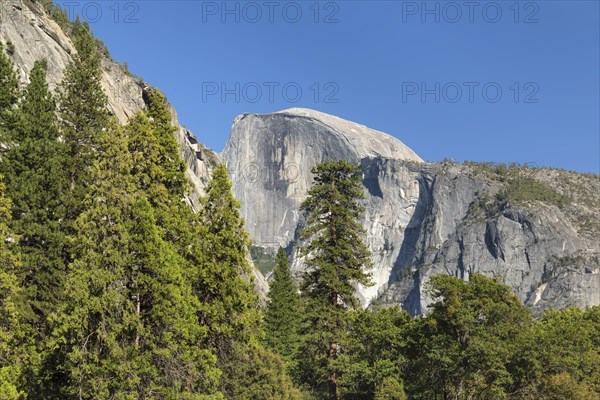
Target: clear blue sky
[{"x": 395, "y": 66}]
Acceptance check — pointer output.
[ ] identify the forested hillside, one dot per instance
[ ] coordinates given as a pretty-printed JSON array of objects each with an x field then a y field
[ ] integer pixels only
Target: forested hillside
[{"x": 113, "y": 287}]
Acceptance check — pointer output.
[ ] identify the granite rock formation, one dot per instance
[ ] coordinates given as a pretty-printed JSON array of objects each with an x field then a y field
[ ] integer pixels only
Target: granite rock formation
[{"x": 421, "y": 218}]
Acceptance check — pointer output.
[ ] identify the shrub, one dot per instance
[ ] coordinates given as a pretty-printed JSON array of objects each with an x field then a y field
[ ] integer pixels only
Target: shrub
[
  {"x": 526, "y": 189},
  {"x": 10, "y": 47}
]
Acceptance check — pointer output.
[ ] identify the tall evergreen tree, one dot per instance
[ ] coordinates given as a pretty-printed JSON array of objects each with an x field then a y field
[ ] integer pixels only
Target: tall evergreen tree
[
  {"x": 97, "y": 306},
  {"x": 159, "y": 170},
  {"x": 283, "y": 313},
  {"x": 173, "y": 176},
  {"x": 84, "y": 114},
  {"x": 174, "y": 363},
  {"x": 336, "y": 260},
  {"x": 129, "y": 326},
  {"x": 9, "y": 94},
  {"x": 14, "y": 333},
  {"x": 223, "y": 282},
  {"x": 35, "y": 181}
]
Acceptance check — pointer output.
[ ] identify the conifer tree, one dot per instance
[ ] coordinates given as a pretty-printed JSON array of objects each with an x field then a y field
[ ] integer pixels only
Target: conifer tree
[
  {"x": 159, "y": 170},
  {"x": 84, "y": 113},
  {"x": 336, "y": 259},
  {"x": 283, "y": 313},
  {"x": 174, "y": 364},
  {"x": 9, "y": 93},
  {"x": 173, "y": 166},
  {"x": 468, "y": 340},
  {"x": 14, "y": 333},
  {"x": 129, "y": 326},
  {"x": 223, "y": 283},
  {"x": 97, "y": 306},
  {"x": 35, "y": 181}
]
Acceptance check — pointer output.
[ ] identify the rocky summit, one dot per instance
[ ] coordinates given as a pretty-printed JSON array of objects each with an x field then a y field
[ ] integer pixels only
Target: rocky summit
[{"x": 536, "y": 229}]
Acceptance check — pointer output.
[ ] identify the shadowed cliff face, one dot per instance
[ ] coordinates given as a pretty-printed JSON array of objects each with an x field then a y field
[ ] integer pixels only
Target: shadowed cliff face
[
  {"x": 542, "y": 251},
  {"x": 421, "y": 219}
]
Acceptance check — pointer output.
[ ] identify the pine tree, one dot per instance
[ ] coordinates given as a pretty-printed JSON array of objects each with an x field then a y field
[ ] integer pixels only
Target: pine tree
[
  {"x": 159, "y": 170},
  {"x": 128, "y": 328},
  {"x": 283, "y": 313},
  {"x": 97, "y": 306},
  {"x": 336, "y": 259},
  {"x": 14, "y": 333},
  {"x": 84, "y": 113},
  {"x": 223, "y": 282},
  {"x": 175, "y": 365},
  {"x": 35, "y": 181}
]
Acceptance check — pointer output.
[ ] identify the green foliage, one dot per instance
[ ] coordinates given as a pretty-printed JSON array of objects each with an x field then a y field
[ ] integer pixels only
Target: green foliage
[
  {"x": 336, "y": 258},
  {"x": 464, "y": 347},
  {"x": 102, "y": 49},
  {"x": 283, "y": 313},
  {"x": 33, "y": 167},
  {"x": 374, "y": 359},
  {"x": 573, "y": 364},
  {"x": 256, "y": 373},
  {"x": 213, "y": 243},
  {"x": 9, "y": 90},
  {"x": 159, "y": 172},
  {"x": 527, "y": 189},
  {"x": 481, "y": 208},
  {"x": 499, "y": 171},
  {"x": 390, "y": 389},
  {"x": 129, "y": 327},
  {"x": 14, "y": 334},
  {"x": 565, "y": 387},
  {"x": 58, "y": 14},
  {"x": 223, "y": 283},
  {"x": 84, "y": 115},
  {"x": 521, "y": 187}
]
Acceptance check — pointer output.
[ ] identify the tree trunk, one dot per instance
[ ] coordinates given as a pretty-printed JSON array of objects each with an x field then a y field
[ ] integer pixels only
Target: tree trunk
[{"x": 333, "y": 375}]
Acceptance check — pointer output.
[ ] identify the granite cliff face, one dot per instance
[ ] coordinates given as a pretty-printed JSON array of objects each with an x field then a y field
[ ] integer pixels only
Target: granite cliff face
[
  {"x": 269, "y": 158},
  {"x": 423, "y": 219}
]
